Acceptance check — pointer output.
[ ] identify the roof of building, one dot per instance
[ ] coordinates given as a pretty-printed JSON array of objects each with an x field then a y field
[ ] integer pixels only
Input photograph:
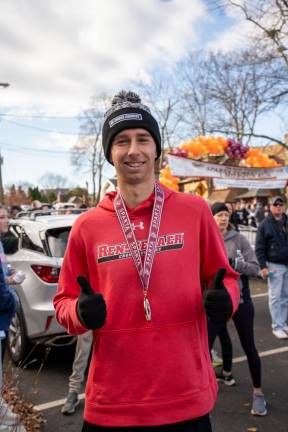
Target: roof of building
[
  {"x": 224, "y": 195},
  {"x": 253, "y": 193}
]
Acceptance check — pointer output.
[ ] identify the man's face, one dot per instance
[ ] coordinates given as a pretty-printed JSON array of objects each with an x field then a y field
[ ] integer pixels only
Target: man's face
[
  {"x": 133, "y": 153},
  {"x": 278, "y": 208},
  {"x": 4, "y": 221}
]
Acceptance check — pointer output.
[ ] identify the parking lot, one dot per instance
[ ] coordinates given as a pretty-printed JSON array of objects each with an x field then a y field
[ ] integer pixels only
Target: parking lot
[{"x": 44, "y": 382}]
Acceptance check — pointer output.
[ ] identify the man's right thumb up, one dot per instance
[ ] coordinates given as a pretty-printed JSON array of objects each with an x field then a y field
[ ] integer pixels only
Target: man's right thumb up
[{"x": 91, "y": 306}]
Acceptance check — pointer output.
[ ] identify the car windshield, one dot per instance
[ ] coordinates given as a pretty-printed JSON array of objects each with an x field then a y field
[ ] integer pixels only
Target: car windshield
[{"x": 57, "y": 240}]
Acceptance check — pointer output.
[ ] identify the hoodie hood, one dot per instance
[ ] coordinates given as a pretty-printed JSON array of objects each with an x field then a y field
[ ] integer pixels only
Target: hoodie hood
[
  {"x": 107, "y": 203},
  {"x": 230, "y": 234}
]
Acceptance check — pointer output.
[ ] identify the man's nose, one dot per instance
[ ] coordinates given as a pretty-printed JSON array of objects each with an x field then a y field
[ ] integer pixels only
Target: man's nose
[{"x": 133, "y": 147}]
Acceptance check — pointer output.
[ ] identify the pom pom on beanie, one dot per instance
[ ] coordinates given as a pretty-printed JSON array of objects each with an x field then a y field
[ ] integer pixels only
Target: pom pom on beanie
[{"x": 128, "y": 112}]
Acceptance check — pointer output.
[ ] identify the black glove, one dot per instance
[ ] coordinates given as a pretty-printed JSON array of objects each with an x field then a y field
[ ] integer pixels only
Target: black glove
[
  {"x": 216, "y": 300},
  {"x": 91, "y": 306},
  {"x": 232, "y": 263}
]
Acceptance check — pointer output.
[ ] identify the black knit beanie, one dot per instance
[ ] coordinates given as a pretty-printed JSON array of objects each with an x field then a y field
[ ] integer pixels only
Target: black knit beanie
[
  {"x": 218, "y": 207},
  {"x": 127, "y": 112}
]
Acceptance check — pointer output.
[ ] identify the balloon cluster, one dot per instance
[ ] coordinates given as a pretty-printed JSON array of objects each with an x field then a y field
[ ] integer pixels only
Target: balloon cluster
[
  {"x": 201, "y": 146},
  {"x": 168, "y": 180},
  {"x": 209, "y": 146},
  {"x": 236, "y": 150},
  {"x": 257, "y": 159}
]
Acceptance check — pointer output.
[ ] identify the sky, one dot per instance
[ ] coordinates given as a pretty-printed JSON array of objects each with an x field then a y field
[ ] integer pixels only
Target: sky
[{"x": 56, "y": 55}]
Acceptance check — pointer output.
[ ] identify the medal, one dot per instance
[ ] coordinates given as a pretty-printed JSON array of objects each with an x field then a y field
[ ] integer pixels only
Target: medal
[
  {"x": 144, "y": 271},
  {"x": 147, "y": 308}
]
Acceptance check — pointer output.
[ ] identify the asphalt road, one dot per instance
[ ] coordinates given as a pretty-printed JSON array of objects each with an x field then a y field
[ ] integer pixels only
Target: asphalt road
[{"x": 45, "y": 382}]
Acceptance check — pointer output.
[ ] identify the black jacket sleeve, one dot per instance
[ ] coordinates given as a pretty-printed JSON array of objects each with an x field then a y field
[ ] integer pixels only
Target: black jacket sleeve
[{"x": 260, "y": 246}]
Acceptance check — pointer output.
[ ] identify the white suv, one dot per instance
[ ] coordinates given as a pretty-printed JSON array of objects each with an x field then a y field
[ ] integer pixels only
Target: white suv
[{"x": 41, "y": 239}]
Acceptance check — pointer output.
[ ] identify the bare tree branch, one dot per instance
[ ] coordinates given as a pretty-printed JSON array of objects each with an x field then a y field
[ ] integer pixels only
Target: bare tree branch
[
  {"x": 87, "y": 154},
  {"x": 255, "y": 135},
  {"x": 228, "y": 92},
  {"x": 271, "y": 18}
]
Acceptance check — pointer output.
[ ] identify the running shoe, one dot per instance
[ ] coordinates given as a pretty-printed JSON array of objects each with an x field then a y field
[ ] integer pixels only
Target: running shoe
[
  {"x": 70, "y": 404},
  {"x": 216, "y": 360},
  {"x": 259, "y": 405},
  {"x": 225, "y": 379}
]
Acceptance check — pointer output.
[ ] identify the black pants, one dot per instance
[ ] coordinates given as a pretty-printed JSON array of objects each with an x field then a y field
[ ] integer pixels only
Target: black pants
[
  {"x": 200, "y": 424},
  {"x": 225, "y": 343},
  {"x": 244, "y": 323}
]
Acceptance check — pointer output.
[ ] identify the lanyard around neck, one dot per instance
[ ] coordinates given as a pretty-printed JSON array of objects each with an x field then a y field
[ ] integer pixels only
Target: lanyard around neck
[{"x": 144, "y": 270}]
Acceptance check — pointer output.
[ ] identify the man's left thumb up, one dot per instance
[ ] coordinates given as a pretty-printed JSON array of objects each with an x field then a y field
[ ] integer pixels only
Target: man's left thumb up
[{"x": 218, "y": 279}]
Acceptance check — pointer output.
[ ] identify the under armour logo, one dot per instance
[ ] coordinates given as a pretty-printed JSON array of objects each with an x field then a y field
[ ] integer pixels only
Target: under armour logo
[{"x": 140, "y": 225}]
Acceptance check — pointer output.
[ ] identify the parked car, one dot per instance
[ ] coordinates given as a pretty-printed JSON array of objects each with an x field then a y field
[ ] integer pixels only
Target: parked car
[
  {"x": 41, "y": 239},
  {"x": 64, "y": 206}
]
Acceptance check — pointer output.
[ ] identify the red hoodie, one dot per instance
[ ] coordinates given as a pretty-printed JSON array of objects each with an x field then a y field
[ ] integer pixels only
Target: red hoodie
[{"x": 147, "y": 373}]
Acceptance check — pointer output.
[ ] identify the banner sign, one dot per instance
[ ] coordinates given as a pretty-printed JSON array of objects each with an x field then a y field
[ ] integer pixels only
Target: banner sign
[
  {"x": 250, "y": 184},
  {"x": 183, "y": 167}
]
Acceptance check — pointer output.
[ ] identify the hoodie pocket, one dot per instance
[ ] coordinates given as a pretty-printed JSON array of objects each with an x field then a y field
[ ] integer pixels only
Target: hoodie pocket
[{"x": 149, "y": 365}]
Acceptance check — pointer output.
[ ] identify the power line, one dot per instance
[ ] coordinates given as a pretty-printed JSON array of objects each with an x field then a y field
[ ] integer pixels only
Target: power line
[
  {"x": 27, "y": 153},
  {"x": 41, "y": 129},
  {"x": 44, "y": 116},
  {"x": 17, "y": 148}
]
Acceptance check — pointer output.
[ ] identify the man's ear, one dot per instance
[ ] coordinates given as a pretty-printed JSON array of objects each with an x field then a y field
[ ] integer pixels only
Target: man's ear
[
  {"x": 156, "y": 154},
  {"x": 110, "y": 158}
]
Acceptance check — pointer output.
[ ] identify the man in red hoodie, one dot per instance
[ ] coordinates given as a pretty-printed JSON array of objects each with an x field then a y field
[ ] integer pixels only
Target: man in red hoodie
[{"x": 134, "y": 272}]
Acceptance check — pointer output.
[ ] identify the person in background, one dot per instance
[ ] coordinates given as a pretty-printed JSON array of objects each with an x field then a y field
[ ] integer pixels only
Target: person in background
[
  {"x": 242, "y": 258},
  {"x": 7, "y": 311},
  {"x": 251, "y": 215},
  {"x": 232, "y": 218},
  {"x": 259, "y": 213},
  {"x": 8, "y": 240},
  {"x": 272, "y": 252},
  {"x": 14, "y": 210},
  {"x": 241, "y": 213},
  {"x": 12, "y": 277},
  {"x": 134, "y": 272},
  {"x": 76, "y": 379},
  {"x": 266, "y": 211}
]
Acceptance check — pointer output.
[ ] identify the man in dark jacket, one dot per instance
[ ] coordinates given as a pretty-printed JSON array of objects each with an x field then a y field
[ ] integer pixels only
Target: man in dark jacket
[{"x": 272, "y": 254}]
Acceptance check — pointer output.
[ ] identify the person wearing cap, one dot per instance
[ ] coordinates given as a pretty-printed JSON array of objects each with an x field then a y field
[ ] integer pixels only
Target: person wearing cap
[
  {"x": 242, "y": 258},
  {"x": 272, "y": 253},
  {"x": 134, "y": 272}
]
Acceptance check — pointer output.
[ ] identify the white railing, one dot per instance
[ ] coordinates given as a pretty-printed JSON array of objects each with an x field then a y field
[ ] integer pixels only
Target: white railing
[{"x": 249, "y": 232}]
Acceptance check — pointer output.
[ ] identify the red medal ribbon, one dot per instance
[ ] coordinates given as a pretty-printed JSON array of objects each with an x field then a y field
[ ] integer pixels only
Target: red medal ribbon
[{"x": 144, "y": 271}]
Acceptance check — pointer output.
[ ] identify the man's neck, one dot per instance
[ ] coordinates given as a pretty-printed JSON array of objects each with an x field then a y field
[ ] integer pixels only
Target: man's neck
[
  {"x": 278, "y": 217},
  {"x": 136, "y": 194}
]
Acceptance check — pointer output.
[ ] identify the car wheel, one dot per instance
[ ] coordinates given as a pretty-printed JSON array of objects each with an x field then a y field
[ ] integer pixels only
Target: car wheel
[{"x": 17, "y": 341}]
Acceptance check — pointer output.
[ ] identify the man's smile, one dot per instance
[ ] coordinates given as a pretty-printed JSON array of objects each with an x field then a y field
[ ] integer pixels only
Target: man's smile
[{"x": 134, "y": 164}]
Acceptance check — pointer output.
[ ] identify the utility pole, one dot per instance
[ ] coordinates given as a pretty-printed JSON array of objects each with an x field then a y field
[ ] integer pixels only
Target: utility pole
[{"x": 4, "y": 85}]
